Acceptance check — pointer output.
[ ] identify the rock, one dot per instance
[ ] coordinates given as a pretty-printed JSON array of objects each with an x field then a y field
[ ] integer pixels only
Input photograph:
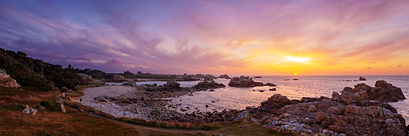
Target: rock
[
  {"x": 6, "y": 80},
  {"x": 257, "y": 77},
  {"x": 243, "y": 81},
  {"x": 118, "y": 78},
  {"x": 277, "y": 101},
  {"x": 261, "y": 90},
  {"x": 312, "y": 108},
  {"x": 320, "y": 116},
  {"x": 225, "y": 76},
  {"x": 272, "y": 89},
  {"x": 242, "y": 115},
  {"x": 100, "y": 99},
  {"x": 208, "y": 84},
  {"x": 29, "y": 110},
  {"x": 62, "y": 108},
  {"x": 306, "y": 120},
  {"x": 354, "y": 110},
  {"x": 346, "y": 97},
  {"x": 172, "y": 83},
  {"x": 156, "y": 112},
  {"x": 337, "y": 110},
  {"x": 182, "y": 109},
  {"x": 270, "y": 84},
  {"x": 362, "y": 79},
  {"x": 385, "y": 92},
  {"x": 336, "y": 96},
  {"x": 42, "y": 107}
]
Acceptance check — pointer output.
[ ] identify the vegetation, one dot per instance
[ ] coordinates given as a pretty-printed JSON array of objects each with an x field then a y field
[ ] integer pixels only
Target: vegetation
[{"x": 34, "y": 74}]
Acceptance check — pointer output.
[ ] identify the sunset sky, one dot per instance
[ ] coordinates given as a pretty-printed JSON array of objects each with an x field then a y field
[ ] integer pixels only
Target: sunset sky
[{"x": 308, "y": 37}]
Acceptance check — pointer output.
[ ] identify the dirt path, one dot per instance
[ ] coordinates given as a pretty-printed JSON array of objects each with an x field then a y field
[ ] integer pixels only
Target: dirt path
[{"x": 142, "y": 130}]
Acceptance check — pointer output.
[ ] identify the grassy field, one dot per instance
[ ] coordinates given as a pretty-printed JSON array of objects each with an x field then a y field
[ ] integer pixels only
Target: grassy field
[{"x": 78, "y": 122}]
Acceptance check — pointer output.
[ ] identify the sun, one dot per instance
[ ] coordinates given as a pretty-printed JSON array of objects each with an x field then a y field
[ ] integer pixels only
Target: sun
[{"x": 295, "y": 74}]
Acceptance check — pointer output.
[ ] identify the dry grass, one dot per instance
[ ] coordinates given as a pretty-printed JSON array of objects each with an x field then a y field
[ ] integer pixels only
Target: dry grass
[{"x": 58, "y": 123}]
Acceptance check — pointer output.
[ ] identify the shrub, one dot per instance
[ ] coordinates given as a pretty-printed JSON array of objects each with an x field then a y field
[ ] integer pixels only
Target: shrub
[{"x": 64, "y": 89}]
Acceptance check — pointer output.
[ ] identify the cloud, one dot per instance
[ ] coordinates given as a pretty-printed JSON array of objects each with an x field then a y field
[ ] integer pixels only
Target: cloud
[
  {"x": 369, "y": 67},
  {"x": 399, "y": 66}
]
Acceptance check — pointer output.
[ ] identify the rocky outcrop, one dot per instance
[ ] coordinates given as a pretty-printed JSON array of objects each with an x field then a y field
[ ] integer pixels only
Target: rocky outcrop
[
  {"x": 384, "y": 91},
  {"x": 172, "y": 83},
  {"x": 362, "y": 93},
  {"x": 225, "y": 76},
  {"x": 350, "y": 113},
  {"x": 29, "y": 110},
  {"x": 208, "y": 84},
  {"x": 6, "y": 80},
  {"x": 119, "y": 78},
  {"x": 246, "y": 81},
  {"x": 362, "y": 79}
]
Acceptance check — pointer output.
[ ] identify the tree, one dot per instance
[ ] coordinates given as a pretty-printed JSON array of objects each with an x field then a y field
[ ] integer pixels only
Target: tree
[{"x": 128, "y": 73}]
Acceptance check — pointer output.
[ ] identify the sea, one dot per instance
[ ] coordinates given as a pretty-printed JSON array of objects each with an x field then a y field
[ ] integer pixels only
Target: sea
[{"x": 306, "y": 86}]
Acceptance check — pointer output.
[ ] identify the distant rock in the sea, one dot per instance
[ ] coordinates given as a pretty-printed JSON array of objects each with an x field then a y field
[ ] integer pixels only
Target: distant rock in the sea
[
  {"x": 246, "y": 81},
  {"x": 295, "y": 79},
  {"x": 257, "y": 77},
  {"x": 362, "y": 79},
  {"x": 6, "y": 80},
  {"x": 208, "y": 84},
  {"x": 225, "y": 76}
]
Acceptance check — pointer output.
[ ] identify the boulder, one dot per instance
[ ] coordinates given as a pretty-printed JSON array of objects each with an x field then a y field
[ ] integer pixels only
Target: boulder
[
  {"x": 119, "y": 78},
  {"x": 312, "y": 108},
  {"x": 29, "y": 110},
  {"x": 155, "y": 112},
  {"x": 100, "y": 99},
  {"x": 225, "y": 76},
  {"x": 172, "y": 83},
  {"x": 6, "y": 80},
  {"x": 276, "y": 101},
  {"x": 208, "y": 84},
  {"x": 320, "y": 116},
  {"x": 242, "y": 115},
  {"x": 385, "y": 92},
  {"x": 63, "y": 108}
]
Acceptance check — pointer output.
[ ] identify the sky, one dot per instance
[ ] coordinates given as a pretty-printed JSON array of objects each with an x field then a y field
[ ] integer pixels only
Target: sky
[{"x": 257, "y": 37}]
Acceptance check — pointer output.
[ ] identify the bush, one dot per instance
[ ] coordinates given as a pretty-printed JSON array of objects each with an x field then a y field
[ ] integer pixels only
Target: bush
[
  {"x": 52, "y": 106},
  {"x": 64, "y": 89}
]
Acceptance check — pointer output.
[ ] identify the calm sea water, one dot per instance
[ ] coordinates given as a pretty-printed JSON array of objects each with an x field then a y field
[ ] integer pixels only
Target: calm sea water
[{"x": 306, "y": 86}]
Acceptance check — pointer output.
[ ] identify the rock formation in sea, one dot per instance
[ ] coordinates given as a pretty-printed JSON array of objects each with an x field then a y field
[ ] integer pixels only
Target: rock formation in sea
[
  {"x": 6, "y": 80},
  {"x": 225, "y": 76},
  {"x": 246, "y": 81},
  {"x": 350, "y": 113},
  {"x": 208, "y": 84},
  {"x": 362, "y": 79}
]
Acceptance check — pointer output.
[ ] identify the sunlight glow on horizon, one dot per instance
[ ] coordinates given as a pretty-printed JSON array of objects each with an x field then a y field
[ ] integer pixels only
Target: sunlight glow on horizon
[{"x": 296, "y": 59}]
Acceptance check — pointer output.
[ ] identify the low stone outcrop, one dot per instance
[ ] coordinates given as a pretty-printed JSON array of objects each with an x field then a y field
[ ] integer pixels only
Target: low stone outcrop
[
  {"x": 362, "y": 79},
  {"x": 208, "y": 84},
  {"x": 172, "y": 83},
  {"x": 6, "y": 80},
  {"x": 225, "y": 76},
  {"x": 119, "y": 78},
  {"x": 246, "y": 81},
  {"x": 29, "y": 110}
]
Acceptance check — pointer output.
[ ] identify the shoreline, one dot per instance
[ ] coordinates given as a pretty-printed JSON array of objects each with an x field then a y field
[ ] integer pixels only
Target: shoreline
[{"x": 160, "y": 109}]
